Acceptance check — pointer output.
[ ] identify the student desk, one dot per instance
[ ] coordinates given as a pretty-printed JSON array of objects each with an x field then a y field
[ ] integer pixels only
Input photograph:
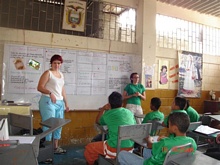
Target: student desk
[
  {"x": 52, "y": 124},
  {"x": 216, "y": 117},
  {"x": 196, "y": 159}
]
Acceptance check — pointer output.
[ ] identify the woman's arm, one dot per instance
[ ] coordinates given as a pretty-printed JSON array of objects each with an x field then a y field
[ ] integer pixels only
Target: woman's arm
[
  {"x": 65, "y": 99},
  {"x": 126, "y": 96},
  {"x": 42, "y": 82},
  {"x": 143, "y": 95}
]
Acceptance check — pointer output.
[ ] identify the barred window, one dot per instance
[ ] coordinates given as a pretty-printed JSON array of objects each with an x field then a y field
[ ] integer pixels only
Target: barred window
[
  {"x": 103, "y": 20},
  {"x": 189, "y": 36}
]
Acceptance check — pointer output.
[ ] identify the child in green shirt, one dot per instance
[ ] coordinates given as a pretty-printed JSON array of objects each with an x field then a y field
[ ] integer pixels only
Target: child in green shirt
[
  {"x": 193, "y": 114},
  {"x": 178, "y": 105},
  {"x": 178, "y": 125},
  {"x": 155, "y": 114}
]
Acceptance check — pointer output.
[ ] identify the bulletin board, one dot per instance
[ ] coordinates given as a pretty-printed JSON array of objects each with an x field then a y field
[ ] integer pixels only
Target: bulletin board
[{"x": 89, "y": 76}]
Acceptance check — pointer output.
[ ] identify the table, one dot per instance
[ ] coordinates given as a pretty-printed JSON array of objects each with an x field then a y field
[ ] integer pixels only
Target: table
[
  {"x": 52, "y": 124},
  {"x": 196, "y": 159},
  {"x": 216, "y": 117}
]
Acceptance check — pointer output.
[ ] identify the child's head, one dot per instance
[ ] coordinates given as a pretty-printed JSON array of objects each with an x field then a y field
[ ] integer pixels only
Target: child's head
[
  {"x": 155, "y": 103},
  {"x": 115, "y": 100},
  {"x": 179, "y": 103},
  {"x": 178, "y": 122},
  {"x": 163, "y": 68}
]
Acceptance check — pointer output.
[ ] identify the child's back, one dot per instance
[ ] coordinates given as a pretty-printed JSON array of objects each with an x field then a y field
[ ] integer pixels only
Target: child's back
[{"x": 155, "y": 114}]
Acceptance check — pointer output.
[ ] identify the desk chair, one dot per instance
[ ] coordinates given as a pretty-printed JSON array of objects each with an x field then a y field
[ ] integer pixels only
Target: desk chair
[
  {"x": 156, "y": 126},
  {"x": 103, "y": 129},
  {"x": 17, "y": 122},
  {"x": 170, "y": 156},
  {"x": 133, "y": 132},
  {"x": 14, "y": 153}
]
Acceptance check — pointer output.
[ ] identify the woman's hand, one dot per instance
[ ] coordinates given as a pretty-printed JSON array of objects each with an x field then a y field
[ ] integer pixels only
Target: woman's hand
[
  {"x": 53, "y": 98},
  {"x": 67, "y": 109}
]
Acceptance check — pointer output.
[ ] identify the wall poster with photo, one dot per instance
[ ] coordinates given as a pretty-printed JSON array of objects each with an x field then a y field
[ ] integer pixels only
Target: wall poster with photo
[
  {"x": 74, "y": 15},
  {"x": 190, "y": 74}
]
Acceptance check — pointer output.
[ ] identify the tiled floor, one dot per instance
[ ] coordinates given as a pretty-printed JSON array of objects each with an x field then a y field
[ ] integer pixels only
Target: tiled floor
[{"x": 74, "y": 156}]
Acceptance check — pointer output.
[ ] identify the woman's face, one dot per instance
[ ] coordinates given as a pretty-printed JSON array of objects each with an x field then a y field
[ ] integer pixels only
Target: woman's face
[
  {"x": 135, "y": 78},
  {"x": 56, "y": 64}
]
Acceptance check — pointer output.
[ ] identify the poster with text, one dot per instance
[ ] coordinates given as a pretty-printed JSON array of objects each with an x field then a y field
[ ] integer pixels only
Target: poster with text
[
  {"x": 74, "y": 15},
  {"x": 190, "y": 74}
]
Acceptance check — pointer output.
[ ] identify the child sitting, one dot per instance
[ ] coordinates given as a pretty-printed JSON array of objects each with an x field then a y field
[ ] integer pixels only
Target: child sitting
[
  {"x": 193, "y": 114},
  {"x": 178, "y": 105},
  {"x": 178, "y": 125},
  {"x": 155, "y": 114}
]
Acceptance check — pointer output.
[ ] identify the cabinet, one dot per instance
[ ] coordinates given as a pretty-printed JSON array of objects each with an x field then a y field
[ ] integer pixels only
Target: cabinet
[{"x": 212, "y": 106}]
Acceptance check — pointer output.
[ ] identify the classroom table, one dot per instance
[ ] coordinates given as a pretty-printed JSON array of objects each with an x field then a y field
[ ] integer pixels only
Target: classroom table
[
  {"x": 196, "y": 159},
  {"x": 53, "y": 124},
  {"x": 216, "y": 117}
]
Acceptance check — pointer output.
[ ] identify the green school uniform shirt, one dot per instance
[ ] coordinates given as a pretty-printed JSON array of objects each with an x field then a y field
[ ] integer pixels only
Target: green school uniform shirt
[
  {"x": 114, "y": 118},
  {"x": 131, "y": 89},
  {"x": 166, "y": 118},
  {"x": 153, "y": 115},
  {"x": 160, "y": 149},
  {"x": 193, "y": 114}
]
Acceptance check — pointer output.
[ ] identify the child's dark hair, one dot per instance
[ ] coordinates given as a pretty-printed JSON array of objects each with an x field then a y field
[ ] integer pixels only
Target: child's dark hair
[
  {"x": 187, "y": 104},
  {"x": 115, "y": 100},
  {"x": 131, "y": 76},
  {"x": 181, "y": 102},
  {"x": 156, "y": 102},
  {"x": 181, "y": 120},
  {"x": 163, "y": 66}
]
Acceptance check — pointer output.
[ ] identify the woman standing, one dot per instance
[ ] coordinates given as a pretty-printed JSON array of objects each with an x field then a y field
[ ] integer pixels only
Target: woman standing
[
  {"x": 53, "y": 100},
  {"x": 133, "y": 93}
]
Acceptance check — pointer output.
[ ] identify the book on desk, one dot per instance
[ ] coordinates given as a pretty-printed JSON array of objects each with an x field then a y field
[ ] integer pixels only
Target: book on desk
[{"x": 206, "y": 130}]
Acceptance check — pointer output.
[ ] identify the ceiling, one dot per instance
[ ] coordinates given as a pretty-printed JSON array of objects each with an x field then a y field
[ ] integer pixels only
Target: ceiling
[{"x": 210, "y": 7}]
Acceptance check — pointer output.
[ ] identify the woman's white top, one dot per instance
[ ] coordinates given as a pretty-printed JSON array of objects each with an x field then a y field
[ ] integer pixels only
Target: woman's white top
[{"x": 55, "y": 85}]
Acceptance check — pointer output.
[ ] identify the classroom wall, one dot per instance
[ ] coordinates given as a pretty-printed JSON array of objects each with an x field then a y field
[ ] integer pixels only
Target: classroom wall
[{"x": 81, "y": 129}]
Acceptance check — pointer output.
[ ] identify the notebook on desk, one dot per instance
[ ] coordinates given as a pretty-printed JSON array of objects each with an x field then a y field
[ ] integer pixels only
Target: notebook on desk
[{"x": 204, "y": 129}]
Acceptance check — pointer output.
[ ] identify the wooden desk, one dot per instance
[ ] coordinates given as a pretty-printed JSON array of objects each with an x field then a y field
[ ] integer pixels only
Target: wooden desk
[
  {"x": 196, "y": 159},
  {"x": 212, "y": 106}
]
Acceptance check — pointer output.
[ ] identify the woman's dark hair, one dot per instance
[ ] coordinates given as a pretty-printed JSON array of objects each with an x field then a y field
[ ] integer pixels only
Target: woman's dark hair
[
  {"x": 56, "y": 57},
  {"x": 131, "y": 76},
  {"x": 115, "y": 100},
  {"x": 181, "y": 120}
]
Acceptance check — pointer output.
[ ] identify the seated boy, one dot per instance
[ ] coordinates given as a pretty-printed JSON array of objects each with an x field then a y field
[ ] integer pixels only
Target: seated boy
[
  {"x": 178, "y": 105},
  {"x": 155, "y": 114},
  {"x": 193, "y": 114},
  {"x": 178, "y": 125},
  {"x": 113, "y": 118}
]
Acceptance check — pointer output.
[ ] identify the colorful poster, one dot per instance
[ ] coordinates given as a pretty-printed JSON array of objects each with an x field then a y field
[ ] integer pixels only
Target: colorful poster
[
  {"x": 74, "y": 15},
  {"x": 149, "y": 72},
  {"x": 190, "y": 74},
  {"x": 163, "y": 72}
]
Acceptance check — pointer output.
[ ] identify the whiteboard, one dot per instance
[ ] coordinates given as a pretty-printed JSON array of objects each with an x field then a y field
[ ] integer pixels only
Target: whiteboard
[{"x": 89, "y": 76}]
